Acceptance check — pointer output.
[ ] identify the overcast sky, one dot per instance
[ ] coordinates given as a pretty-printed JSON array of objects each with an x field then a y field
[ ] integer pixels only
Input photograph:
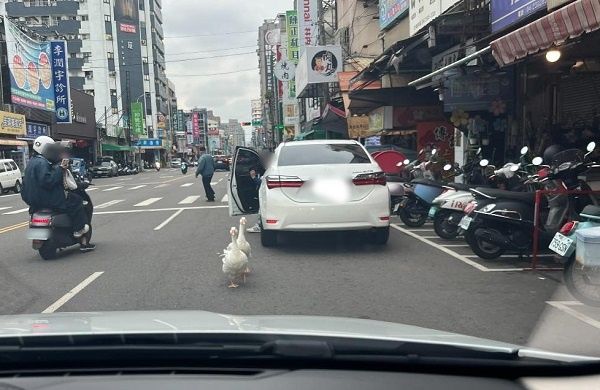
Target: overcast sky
[{"x": 228, "y": 95}]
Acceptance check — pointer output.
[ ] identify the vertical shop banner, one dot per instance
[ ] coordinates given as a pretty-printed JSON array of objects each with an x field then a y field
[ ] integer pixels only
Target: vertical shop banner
[
  {"x": 195, "y": 126},
  {"x": 293, "y": 51},
  {"x": 30, "y": 64},
  {"x": 506, "y": 13},
  {"x": 60, "y": 79},
  {"x": 391, "y": 10},
  {"x": 308, "y": 23},
  {"x": 137, "y": 118}
]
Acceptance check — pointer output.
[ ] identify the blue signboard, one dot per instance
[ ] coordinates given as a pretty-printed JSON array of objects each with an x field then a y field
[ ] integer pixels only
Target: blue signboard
[
  {"x": 149, "y": 142},
  {"x": 35, "y": 130},
  {"x": 390, "y": 10},
  {"x": 506, "y": 13},
  {"x": 60, "y": 78}
]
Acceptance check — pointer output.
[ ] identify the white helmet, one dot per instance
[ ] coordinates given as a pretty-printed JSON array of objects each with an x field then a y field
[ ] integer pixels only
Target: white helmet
[{"x": 40, "y": 143}]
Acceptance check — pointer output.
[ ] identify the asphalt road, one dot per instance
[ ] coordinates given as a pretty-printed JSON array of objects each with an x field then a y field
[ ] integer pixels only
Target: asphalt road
[{"x": 157, "y": 249}]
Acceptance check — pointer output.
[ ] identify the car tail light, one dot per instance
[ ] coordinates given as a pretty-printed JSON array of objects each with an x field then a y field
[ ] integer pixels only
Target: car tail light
[
  {"x": 40, "y": 221},
  {"x": 470, "y": 207},
  {"x": 568, "y": 228},
  {"x": 284, "y": 182},
  {"x": 271, "y": 221},
  {"x": 366, "y": 179}
]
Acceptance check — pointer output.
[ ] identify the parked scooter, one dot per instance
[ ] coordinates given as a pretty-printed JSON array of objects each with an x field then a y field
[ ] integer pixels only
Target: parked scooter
[
  {"x": 506, "y": 220},
  {"x": 51, "y": 231}
]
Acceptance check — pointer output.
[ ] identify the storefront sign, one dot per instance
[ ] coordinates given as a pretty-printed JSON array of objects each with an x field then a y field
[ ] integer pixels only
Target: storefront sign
[
  {"x": 390, "y": 10},
  {"x": 357, "y": 126},
  {"x": 137, "y": 118},
  {"x": 195, "y": 125},
  {"x": 284, "y": 70},
  {"x": 438, "y": 135},
  {"x": 293, "y": 51},
  {"x": 506, "y": 13},
  {"x": 408, "y": 117},
  {"x": 318, "y": 64},
  {"x": 60, "y": 79},
  {"x": 373, "y": 141},
  {"x": 308, "y": 23},
  {"x": 35, "y": 130},
  {"x": 12, "y": 123},
  {"x": 423, "y": 12},
  {"x": 476, "y": 93},
  {"x": 556, "y": 3},
  {"x": 149, "y": 142}
]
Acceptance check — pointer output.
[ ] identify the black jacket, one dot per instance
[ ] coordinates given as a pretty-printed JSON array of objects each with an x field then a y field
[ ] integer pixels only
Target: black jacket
[{"x": 43, "y": 185}]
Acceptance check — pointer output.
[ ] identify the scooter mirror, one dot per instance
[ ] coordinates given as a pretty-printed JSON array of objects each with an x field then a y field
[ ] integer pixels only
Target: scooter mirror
[
  {"x": 447, "y": 167},
  {"x": 537, "y": 161},
  {"x": 406, "y": 162},
  {"x": 524, "y": 150},
  {"x": 433, "y": 152},
  {"x": 514, "y": 168},
  {"x": 478, "y": 152},
  {"x": 591, "y": 146},
  {"x": 484, "y": 162}
]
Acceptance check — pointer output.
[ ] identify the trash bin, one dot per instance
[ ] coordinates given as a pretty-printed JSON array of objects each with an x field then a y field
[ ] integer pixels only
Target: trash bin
[{"x": 588, "y": 246}]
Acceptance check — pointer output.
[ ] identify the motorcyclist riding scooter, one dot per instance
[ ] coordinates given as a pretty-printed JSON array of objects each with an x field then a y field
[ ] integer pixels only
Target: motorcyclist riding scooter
[{"x": 51, "y": 205}]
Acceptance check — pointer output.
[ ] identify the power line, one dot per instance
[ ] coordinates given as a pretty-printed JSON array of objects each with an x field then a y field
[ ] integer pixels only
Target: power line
[
  {"x": 211, "y": 51},
  {"x": 211, "y": 35},
  {"x": 212, "y": 74}
]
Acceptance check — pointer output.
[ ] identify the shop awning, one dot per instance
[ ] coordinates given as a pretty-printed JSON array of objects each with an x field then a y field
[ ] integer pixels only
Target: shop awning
[
  {"x": 115, "y": 148},
  {"x": 12, "y": 142},
  {"x": 551, "y": 30},
  {"x": 334, "y": 120},
  {"x": 365, "y": 101}
]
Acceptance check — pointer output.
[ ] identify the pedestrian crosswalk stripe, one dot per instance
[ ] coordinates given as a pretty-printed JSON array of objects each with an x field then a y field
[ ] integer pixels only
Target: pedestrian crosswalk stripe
[
  {"x": 214, "y": 183},
  {"x": 161, "y": 185},
  {"x": 147, "y": 202},
  {"x": 5, "y": 208},
  {"x": 187, "y": 184},
  {"x": 225, "y": 198},
  {"x": 112, "y": 188},
  {"x": 138, "y": 187},
  {"x": 189, "y": 200},
  {"x": 17, "y": 211},
  {"x": 108, "y": 204}
]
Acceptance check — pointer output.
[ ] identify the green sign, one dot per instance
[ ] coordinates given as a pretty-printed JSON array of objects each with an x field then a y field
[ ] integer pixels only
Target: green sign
[
  {"x": 256, "y": 123},
  {"x": 293, "y": 52},
  {"x": 137, "y": 118}
]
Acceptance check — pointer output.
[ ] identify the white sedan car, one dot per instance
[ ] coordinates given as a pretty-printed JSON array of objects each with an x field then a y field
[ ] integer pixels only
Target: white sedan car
[{"x": 311, "y": 186}]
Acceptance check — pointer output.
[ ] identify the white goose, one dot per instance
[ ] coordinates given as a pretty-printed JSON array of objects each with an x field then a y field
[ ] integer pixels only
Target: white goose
[
  {"x": 235, "y": 262},
  {"x": 242, "y": 243}
]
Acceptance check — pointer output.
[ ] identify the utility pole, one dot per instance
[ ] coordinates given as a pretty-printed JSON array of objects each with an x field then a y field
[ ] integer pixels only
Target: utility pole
[
  {"x": 128, "y": 109},
  {"x": 322, "y": 42}
]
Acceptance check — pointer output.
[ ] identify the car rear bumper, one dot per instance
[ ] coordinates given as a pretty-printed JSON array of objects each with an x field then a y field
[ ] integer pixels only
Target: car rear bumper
[{"x": 280, "y": 213}]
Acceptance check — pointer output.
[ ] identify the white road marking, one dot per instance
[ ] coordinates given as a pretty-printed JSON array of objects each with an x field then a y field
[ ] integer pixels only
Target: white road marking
[
  {"x": 166, "y": 222},
  {"x": 158, "y": 210},
  {"x": 165, "y": 177},
  {"x": 455, "y": 245},
  {"x": 514, "y": 256},
  {"x": 189, "y": 200},
  {"x": 429, "y": 237},
  {"x": 421, "y": 230},
  {"x": 5, "y": 208},
  {"x": 9, "y": 195},
  {"x": 17, "y": 211},
  {"x": 147, "y": 202},
  {"x": 138, "y": 187},
  {"x": 213, "y": 183},
  {"x": 225, "y": 198},
  {"x": 91, "y": 189},
  {"x": 125, "y": 179},
  {"x": 67, "y": 297},
  {"x": 161, "y": 185},
  {"x": 220, "y": 180},
  {"x": 108, "y": 204},
  {"x": 187, "y": 184},
  {"x": 564, "y": 306},
  {"x": 112, "y": 188}
]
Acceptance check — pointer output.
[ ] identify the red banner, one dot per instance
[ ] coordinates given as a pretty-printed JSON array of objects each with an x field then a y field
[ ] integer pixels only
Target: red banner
[
  {"x": 195, "y": 125},
  {"x": 438, "y": 135}
]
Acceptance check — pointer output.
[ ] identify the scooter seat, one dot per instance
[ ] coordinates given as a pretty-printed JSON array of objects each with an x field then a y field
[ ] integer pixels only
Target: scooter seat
[
  {"x": 427, "y": 182},
  {"x": 527, "y": 197},
  {"x": 591, "y": 210}
]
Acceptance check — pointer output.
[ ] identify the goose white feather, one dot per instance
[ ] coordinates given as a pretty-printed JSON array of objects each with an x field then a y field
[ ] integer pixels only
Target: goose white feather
[{"x": 235, "y": 261}]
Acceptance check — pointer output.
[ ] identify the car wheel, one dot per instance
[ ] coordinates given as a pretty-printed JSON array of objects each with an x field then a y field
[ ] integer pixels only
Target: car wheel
[
  {"x": 1, "y": 189},
  {"x": 268, "y": 238},
  {"x": 381, "y": 235},
  {"x": 17, "y": 189},
  {"x": 48, "y": 250}
]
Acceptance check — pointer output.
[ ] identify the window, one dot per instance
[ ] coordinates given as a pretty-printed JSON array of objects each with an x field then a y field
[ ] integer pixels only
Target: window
[
  {"x": 85, "y": 36},
  {"x": 143, "y": 42},
  {"x": 107, "y": 18},
  {"x": 13, "y": 165},
  {"x": 106, "y": 1},
  {"x": 89, "y": 74},
  {"x": 113, "y": 92},
  {"x": 109, "y": 37},
  {"x": 89, "y": 91},
  {"x": 86, "y": 54},
  {"x": 110, "y": 55},
  {"x": 84, "y": 18},
  {"x": 147, "y": 77},
  {"x": 115, "y": 110},
  {"x": 323, "y": 154}
]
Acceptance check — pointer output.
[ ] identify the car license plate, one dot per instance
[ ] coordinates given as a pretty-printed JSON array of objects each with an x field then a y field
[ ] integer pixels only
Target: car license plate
[
  {"x": 465, "y": 222},
  {"x": 561, "y": 245},
  {"x": 432, "y": 211}
]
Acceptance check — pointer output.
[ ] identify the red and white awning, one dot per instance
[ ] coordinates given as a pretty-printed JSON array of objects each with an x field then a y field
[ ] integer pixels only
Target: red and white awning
[{"x": 552, "y": 30}]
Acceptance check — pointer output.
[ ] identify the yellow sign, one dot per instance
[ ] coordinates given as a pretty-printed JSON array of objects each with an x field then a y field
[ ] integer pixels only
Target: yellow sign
[
  {"x": 12, "y": 123},
  {"x": 358, "y": 126}
]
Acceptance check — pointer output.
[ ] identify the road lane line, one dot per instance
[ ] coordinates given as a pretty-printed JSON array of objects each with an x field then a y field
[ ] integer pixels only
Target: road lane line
[
  {"x": 147, "y": 202},
  {"x": 112, "y": 188},
  {"x": 166, "y": 222},
  {"x": 515, "y": 256},
  {"x": 67, "y": 297},
  {"x": 165, "y": 177},
  {"x": 220, "y": 180},
  {"x": 456, "y": 245},
  {"x": 5, "y": 208},
  {"x": 158, "y": 210},
  {"x": 14, "y": 227},
  {"x": 91, "y": 189},
  {"x": 138, "y": 187},
  {"x": 421, "y": 230},
  {"x": 125, "y": 179},
  {"x": 187, "y": 184},
  {"x": 8, "y": 195},
  {"x": 161, "y": 185},
  {"x": 108, "y": 204},
  {"x": 225, "y": 198},
  {"x": 213, "y": 183},
  {"x": 189, "y": 200},
  {"x": 564, "y": 306},
  {"x": 17, "y": 211}
]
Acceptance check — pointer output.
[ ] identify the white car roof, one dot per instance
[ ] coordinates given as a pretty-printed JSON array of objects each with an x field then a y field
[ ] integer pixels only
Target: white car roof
[{"x": 322, "y": 142}]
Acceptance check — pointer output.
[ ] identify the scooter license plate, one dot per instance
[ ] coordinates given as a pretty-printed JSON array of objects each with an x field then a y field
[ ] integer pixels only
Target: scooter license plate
[
  {"x": 432, "y": 211},
  {"x": 38, "y": 234},
  {"x": 561, "y": 245},
  {"x": 465, "y": 222}
]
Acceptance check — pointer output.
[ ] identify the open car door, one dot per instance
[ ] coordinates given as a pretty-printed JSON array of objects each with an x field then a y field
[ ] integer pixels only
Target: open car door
[{"x": 242, "y": 190}]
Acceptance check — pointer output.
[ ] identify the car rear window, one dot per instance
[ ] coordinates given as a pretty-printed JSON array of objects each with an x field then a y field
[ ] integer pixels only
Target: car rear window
[
  {"x": 13, "y": 165},
  {"x": 313, "y": 154}
]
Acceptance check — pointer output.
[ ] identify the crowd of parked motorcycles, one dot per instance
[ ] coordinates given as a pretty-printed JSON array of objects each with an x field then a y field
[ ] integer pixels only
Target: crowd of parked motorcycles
[{"x": 501, "y": 210}]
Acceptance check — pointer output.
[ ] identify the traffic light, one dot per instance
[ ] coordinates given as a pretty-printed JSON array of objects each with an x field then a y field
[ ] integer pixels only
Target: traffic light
[{"x": 246, "y": 123}]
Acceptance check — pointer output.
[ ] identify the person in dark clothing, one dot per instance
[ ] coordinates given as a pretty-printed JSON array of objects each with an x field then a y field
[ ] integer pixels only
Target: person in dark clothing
[
  {"x": 43, "y": 185},
  {"x": 206, "y": 168}
]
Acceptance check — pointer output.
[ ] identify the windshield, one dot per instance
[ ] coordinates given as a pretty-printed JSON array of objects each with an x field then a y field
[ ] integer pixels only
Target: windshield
[{"x": 235, "y": 159}]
